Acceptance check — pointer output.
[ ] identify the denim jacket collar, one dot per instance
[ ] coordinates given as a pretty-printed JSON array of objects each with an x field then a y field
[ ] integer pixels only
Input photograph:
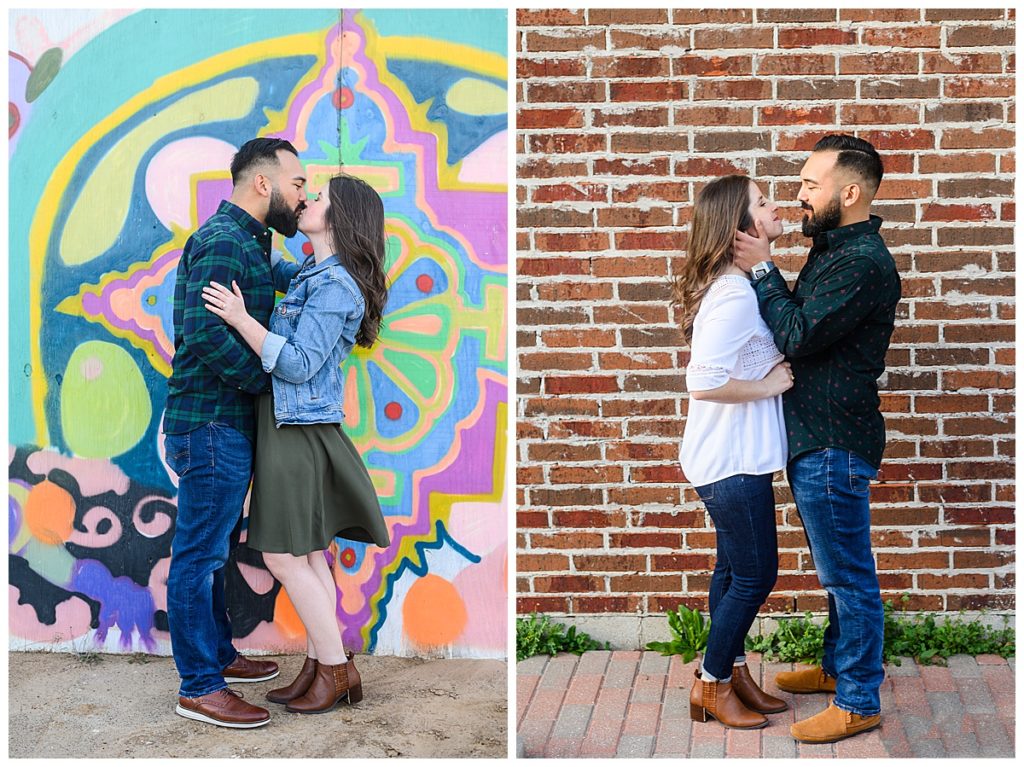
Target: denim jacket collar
[{"x": 310, "y": 267}]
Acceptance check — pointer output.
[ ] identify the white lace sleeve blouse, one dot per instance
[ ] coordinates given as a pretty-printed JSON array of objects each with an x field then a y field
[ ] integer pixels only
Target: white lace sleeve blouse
[{"x": 730, "y": 340}]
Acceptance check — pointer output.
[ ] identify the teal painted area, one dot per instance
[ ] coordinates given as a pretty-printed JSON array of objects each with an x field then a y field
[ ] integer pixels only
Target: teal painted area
[
  {"x": 108, "y": 71},
  {"x": 485, "y": 28}
]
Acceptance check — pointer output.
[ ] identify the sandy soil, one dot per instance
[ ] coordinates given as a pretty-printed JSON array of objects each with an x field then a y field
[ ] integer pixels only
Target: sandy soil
[{"x": 123, "y": 706}]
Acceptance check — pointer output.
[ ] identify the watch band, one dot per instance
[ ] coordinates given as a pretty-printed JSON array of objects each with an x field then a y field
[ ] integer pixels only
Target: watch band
[{"x": 759, "y": 270}]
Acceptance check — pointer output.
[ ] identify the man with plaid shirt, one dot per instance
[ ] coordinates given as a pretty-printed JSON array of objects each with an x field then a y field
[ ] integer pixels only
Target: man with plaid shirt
[{"x": 209, "y": 422}]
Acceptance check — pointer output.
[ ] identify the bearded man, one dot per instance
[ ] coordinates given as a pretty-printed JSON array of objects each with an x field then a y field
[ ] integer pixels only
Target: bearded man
[
  {"x": 834, "y": 328},
  {"x": 209, "y": 423}
]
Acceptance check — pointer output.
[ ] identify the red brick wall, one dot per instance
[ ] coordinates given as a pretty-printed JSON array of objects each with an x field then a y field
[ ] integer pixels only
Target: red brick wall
[{"x": 622, "y": 116}]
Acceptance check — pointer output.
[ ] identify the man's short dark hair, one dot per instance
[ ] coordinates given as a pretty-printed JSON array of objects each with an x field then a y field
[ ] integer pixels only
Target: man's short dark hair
[
  {"x": 855, "y": 154},
  {"x": 256, "y": 152}
]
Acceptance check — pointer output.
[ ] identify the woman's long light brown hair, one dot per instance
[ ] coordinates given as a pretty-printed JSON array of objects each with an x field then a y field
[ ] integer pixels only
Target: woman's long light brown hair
[
  {"x": 720, "y": 209},
  {"x": 355, "y": 220}
]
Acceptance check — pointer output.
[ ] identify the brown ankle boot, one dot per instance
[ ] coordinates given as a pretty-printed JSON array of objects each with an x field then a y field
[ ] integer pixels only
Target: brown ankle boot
[
  {"x": 753, "y": 697},
  {"x": 298, "y": 686},
  {"x": 330, "y": 684},
  {"x": 719, "y": 701}
]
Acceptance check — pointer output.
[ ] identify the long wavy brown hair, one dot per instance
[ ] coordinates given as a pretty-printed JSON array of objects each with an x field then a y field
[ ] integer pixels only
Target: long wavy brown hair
[
  {"x": 355, "y": 220},
  {"x": 720, "y": 209}
]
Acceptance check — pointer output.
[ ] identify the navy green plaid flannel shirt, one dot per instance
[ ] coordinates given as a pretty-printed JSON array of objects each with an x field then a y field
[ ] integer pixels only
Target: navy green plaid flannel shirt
[{"x": 215, "y": 373}]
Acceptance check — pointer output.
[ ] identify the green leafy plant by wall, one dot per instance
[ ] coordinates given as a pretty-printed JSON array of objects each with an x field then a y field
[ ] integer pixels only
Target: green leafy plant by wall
[
  {"x": 689, "y": 634},
  {"x": 538, "y": 634},
  {"x": 801, "y": 640},
  {"x": 796, "y": 640},
  {"x": 928, "y": 641}
]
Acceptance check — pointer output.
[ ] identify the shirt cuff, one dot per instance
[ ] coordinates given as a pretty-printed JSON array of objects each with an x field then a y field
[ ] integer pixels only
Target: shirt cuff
[
  {"x": 272, "y": 346},
  {"x": 768, "y": 279},
  {"x": 706, "y": 379}
]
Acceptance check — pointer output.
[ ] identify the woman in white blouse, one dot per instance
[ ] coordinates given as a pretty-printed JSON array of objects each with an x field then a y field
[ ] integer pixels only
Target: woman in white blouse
[{"x": 734, "y": 440}]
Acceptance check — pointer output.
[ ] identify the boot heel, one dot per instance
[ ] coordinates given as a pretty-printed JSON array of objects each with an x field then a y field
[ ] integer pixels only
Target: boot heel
[
  {"x": 698, "y": 713},
  {"x": 355, "y": 694}
]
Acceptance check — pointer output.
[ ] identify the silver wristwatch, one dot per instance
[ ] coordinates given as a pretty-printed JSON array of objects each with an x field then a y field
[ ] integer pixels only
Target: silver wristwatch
[{"x": 761, "y": 269}]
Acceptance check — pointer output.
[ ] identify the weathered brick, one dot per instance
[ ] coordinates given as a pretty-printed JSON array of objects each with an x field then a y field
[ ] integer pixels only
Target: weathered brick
[{"x": 614, "y": 144}]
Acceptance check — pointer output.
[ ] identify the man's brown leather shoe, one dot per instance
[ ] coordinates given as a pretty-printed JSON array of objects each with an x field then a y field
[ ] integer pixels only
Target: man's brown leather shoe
[
  {"x": 224, "y": 708},
  {"x": 805, "y": 680},
  {"x": 719, "y": 701},
  {"x": 753, "y": 697},
  {"x": 244, "y": 669},
  {"x": 330, "y": 685},
  {"x": 833, "y": 724}
]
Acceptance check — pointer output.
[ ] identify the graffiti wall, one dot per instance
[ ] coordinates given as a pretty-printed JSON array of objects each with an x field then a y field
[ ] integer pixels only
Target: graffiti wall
[{"x": 122, "y": 126}]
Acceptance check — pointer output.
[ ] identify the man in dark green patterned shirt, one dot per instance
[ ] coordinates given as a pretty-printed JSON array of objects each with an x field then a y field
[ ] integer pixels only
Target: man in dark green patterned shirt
[
  {"x": 834, "y": 328},
  {"x": 209, "y": 424}
]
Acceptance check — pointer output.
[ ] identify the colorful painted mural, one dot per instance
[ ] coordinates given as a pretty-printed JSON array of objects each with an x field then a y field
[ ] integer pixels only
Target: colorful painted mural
[{"x": 122, "y": 126}]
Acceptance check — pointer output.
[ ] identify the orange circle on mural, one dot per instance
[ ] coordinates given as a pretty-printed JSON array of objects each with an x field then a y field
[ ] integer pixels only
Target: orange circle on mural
[
  {"x": 433, "y": 613},
  {"x": 50, "y": 512}
]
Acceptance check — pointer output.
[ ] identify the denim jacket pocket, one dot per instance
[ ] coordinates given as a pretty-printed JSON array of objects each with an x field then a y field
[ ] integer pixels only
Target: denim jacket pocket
[{"x": 313, "y": 387}]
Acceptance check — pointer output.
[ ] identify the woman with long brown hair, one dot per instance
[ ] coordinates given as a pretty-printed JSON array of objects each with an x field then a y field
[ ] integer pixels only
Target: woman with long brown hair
[
  {"x": 734, "y": 440},
  {"x": 309, "y": 483}
]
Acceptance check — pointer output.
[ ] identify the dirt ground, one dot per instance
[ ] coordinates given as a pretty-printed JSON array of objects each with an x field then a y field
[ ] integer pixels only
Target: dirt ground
[{"x": 65, "y": 705}]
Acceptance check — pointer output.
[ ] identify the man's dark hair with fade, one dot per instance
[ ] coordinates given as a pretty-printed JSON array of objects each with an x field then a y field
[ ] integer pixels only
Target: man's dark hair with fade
[
  {"x": 855, "y": 154},
  {"x": 255, "y": 152}
]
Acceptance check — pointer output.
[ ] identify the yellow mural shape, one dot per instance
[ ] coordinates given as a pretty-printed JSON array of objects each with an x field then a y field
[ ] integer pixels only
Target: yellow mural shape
[
  {"x": 477, "y": 97},
  {"x": 104, "y": 406},
  {"x": 101, "y": 209}
]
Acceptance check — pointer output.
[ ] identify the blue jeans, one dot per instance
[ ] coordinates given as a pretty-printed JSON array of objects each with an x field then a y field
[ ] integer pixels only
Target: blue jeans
[
  {"x": 747, "y": 565},
  {"x": 830, "y": 487},
  {"x": 214, "y": 466}
]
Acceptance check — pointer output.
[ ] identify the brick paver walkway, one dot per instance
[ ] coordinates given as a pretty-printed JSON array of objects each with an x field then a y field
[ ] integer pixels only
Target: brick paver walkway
[{"x": 606, "y": 704}]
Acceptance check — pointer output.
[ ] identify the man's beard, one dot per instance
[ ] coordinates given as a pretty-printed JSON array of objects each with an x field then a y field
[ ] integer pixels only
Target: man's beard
[
  {"x": 824, "y": 220},
  {"x": 280, "y": 217}
]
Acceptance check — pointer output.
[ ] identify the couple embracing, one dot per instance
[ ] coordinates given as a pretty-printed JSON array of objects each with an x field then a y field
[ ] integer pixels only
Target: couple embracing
[
  {"x": 256, "y": 394},
  {"x": 787, "y": 379}
]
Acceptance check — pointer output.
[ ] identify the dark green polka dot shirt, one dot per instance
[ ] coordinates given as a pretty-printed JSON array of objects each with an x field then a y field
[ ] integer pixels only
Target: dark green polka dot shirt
[{"x": 834, "y": 328}]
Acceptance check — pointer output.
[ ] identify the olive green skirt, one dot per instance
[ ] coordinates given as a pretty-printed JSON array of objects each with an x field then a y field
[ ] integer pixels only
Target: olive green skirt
[{"x": 310, "y": 485}]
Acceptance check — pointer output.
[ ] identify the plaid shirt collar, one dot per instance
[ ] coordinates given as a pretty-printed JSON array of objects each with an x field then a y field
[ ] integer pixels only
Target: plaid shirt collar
[{"x": 243, "y": 219}]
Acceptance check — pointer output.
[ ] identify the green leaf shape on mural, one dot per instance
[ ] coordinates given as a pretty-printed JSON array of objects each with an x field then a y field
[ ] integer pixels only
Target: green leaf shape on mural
[{"x": 43, "y": 73}]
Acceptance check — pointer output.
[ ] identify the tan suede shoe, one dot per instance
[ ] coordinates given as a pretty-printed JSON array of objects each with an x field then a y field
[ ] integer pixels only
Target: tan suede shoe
[
  {"x": 805, "y": 680},
  {"x": 833, "y": 724}
]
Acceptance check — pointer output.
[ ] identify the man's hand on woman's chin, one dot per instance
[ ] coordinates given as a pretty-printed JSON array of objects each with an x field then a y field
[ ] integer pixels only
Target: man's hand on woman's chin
[{"x": 748, "y": 251}]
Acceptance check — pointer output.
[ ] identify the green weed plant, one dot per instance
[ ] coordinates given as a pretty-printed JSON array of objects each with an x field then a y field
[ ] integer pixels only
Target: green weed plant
[
  {"x": 689, "y": 634},
  {"x": 802, "y": 640},
  {"x": 538, "y": 634}
]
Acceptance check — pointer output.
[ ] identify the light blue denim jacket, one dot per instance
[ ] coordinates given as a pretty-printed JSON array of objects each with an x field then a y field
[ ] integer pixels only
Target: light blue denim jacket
[{"x": 312, "y": 331}]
